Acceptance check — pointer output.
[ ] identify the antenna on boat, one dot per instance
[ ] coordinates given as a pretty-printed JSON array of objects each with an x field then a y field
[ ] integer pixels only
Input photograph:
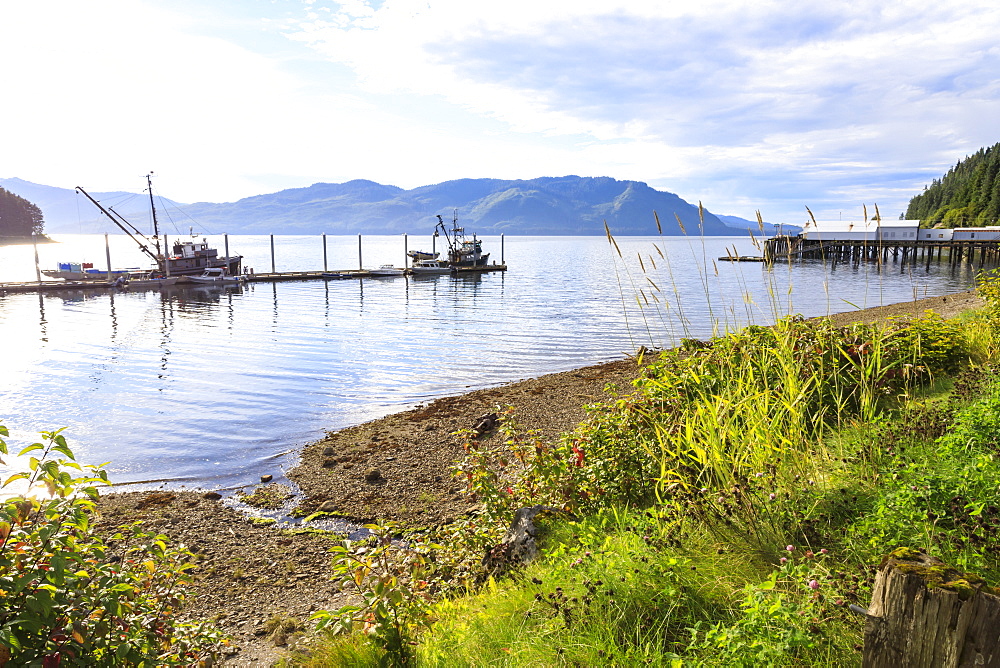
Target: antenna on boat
[{"x": 152, "y": 207}]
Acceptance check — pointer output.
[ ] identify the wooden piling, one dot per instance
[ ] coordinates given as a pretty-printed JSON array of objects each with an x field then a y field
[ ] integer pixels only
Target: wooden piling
[{"x": 38, "y": 268}]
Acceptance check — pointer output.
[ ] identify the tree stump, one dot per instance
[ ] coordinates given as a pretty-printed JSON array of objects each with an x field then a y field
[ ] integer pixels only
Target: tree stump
[
  {"x": 520, "y": 545},
  {"x": 925, "y": 614}
]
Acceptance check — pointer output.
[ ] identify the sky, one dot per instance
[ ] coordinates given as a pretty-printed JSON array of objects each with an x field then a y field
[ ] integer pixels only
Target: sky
[{"x": 770, "y": 105}]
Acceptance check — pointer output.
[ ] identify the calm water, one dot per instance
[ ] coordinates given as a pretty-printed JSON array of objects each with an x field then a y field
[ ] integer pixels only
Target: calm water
[{"x": 214, "y": 387}]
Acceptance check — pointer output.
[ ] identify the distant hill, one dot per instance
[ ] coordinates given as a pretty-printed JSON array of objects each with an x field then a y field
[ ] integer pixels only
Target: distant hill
[
  {"x": 754, "y": 227},
  {"x": 967, "y": 196},
  {"x": 68, "y": 212},
  {"x": 568, "y": 205}
]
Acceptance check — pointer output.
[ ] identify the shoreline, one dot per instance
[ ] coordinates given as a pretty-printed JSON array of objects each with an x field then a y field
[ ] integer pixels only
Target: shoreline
[{"x": 397, "y": 467}]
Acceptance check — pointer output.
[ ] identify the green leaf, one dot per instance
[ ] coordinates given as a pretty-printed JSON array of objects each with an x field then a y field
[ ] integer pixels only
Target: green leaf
[
  {"x": 30, "y": 448},
  {"x": 16, "y": 476}
]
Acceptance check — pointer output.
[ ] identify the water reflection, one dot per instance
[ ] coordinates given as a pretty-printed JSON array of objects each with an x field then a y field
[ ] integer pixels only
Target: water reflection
[{"x": 218, "y": 384}]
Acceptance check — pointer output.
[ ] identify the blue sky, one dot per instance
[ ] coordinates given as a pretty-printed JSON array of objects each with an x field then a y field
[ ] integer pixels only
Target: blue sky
[{"x": 770, "y": 105}]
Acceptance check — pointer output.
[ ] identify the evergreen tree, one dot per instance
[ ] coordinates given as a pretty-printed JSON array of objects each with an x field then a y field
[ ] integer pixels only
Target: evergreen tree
[
  {"x": 967, "y": 196},
  {"x": 18, "y": 216}
]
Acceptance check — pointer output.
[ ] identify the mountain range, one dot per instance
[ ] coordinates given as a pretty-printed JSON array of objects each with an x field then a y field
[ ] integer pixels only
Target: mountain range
[{"x": 568, "y": 205}]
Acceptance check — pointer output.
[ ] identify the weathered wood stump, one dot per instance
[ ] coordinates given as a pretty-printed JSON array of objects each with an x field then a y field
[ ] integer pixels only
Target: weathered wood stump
[
  {"x": 520, "y": 544},
  {"x": 925, "y": 614}
]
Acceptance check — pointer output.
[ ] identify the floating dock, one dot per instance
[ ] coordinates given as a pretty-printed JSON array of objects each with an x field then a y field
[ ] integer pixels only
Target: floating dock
[{"x": 271, "y": 277}]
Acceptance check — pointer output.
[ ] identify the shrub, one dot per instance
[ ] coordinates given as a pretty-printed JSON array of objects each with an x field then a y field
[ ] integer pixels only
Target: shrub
[{"x": 72, "y": 598}]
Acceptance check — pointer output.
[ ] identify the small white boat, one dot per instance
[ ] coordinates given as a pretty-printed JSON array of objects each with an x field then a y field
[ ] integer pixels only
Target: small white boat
[
  {"x": 213, "y": 276},
  {"x": 148, "y": 282},
  {"x": 416, "y": 255},
  {"x": 386, "y": 270},
  {"x": 430, "y": 268}
]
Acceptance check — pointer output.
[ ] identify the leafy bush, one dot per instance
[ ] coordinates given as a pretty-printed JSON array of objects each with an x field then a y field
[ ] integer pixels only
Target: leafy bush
[
  {"x": 390, "y": 579},
  {"x": 797, "y": 616},
  {"x": 72, "y": 598},
  {"x": 939, "y": 493}
]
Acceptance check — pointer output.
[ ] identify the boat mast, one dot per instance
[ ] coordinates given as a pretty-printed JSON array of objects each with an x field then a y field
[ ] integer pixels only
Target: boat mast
[
  {"x": 451, "y": 245},
  {"x": 123, "y": 228},
  {"x": 152, "y": 207}
]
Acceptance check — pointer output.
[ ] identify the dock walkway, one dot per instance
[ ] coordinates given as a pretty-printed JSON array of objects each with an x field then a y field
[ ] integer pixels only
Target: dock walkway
[{"x": 271, "y": 277}]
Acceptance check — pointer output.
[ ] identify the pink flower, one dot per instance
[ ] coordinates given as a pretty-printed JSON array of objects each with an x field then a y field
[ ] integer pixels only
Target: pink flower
[
  {"x": 784, "y": 560},
  {"x": 790, "y": 548},
  {"x": 813, "y": 585}
]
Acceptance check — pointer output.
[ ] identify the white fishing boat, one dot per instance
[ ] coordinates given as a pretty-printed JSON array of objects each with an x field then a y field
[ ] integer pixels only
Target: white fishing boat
[
  {"x": 430, "y": 268},
  {"x": 385, "y": 271}
]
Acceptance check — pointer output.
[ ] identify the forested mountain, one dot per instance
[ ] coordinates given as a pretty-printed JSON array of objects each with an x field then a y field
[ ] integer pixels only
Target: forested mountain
[
  {"x": 967, "y": 196},
  {"x": 542, "y": 206},
  {"x": 18, "y": 216}
]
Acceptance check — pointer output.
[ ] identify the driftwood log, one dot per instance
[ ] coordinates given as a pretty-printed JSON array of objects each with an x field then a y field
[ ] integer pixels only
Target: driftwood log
[{"x": 925, "y": 614}]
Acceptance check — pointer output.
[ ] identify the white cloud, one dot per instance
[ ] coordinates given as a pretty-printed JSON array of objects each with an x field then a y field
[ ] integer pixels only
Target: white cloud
[{"x": 777, "y": 103}]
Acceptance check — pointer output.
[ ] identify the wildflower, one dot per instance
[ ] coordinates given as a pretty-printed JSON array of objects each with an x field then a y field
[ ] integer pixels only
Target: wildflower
[
  {"x": 771, "y": 496},
  {"x": 824, "y": 551},
  {"x": 790, "y": 548},
  {"x": 784, "y": 560},
  {"x": 813, "y": 585}
]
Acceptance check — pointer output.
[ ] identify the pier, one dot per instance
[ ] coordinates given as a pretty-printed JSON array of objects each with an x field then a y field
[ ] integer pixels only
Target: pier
[
  {"x": 269, "y": 277},
  {"x": 914, "y": 252}
]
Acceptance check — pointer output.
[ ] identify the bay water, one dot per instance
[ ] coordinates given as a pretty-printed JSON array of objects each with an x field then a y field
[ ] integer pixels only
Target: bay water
[{"x": 214, "y": 387}]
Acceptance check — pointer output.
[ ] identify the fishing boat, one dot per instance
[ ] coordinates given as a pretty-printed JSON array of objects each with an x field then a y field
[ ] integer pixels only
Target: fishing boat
[
  {"x": 430, "y": 268},
  {"x": 186, "y": 257},
  {"x": 462, "y": 251}
]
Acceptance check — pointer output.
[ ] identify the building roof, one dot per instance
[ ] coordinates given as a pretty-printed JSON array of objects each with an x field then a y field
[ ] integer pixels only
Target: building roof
[{"x": 857, "y": 225}]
